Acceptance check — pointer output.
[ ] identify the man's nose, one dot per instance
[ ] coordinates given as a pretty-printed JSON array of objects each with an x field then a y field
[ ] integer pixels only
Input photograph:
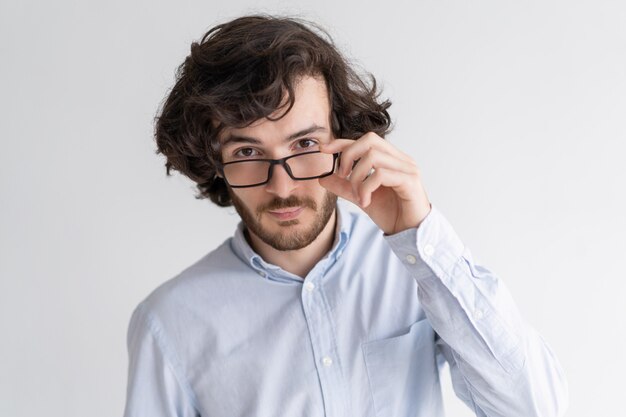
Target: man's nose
[{"x": 281, "y": 184}]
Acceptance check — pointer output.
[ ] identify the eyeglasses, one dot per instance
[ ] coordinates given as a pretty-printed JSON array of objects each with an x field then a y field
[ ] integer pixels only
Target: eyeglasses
[{"x": 255, "y": 172}]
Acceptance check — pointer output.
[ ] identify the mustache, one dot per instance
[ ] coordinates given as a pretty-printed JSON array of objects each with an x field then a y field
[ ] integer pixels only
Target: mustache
[{"x": 291, "y": 201}]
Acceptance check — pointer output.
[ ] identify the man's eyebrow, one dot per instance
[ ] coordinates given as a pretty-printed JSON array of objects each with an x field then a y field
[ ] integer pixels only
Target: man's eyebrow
[{"x": 246, "y": 139}]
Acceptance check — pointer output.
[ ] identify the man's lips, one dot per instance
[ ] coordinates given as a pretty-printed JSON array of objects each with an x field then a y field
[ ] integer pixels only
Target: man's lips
[{"x": 286, "y": 213}]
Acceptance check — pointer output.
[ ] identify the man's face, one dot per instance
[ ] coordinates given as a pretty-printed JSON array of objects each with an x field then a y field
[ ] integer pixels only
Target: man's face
[{"x": 284, "y": 213}]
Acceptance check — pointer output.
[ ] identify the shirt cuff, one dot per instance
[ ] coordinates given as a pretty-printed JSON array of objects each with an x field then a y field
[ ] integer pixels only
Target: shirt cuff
[{"x": 433, "y": 246}]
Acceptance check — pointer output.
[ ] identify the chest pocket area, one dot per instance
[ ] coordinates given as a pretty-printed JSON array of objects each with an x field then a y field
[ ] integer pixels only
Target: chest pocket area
[{"x": 403, "y": 373}]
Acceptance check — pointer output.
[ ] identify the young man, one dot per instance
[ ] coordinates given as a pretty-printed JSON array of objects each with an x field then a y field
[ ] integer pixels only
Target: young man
[{"x": 316, "y": 307}]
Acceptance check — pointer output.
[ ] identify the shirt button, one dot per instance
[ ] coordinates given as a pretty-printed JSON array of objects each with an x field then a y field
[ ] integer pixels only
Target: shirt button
[
  {"x": 411, "y": 259},
  {"x": 263, "y": 274},
  {"x": 429, "y": 250},
  {"x": 327, "y": 361},
  {"x": 478, "y": 314},
  {"x": 309, "y": 286}
]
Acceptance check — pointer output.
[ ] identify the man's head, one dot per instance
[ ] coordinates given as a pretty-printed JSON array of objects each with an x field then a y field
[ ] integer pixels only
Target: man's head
[
  {"x": 241, "y": 72},
  {"x": 285, "y": 213}
]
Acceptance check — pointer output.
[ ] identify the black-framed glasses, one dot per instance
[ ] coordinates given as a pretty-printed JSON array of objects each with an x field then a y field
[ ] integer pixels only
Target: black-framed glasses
[{"x": 255, "y": 172}]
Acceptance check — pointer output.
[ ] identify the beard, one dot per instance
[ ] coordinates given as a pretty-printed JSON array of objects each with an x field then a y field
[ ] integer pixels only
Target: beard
[{"x": 287, "y": 239}]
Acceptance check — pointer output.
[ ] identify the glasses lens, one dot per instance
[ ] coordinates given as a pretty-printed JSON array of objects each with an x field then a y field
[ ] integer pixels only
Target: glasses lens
[
  {"x": 311, "y": 165},
  {"x": 303, "y": 166},
  {"x": 246, "y": 173}
]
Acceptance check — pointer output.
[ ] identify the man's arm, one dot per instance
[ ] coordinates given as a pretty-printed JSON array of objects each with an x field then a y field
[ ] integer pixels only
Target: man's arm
[
  {"x": 500, "y": 365},
  {"x": 155, "y": 386}
]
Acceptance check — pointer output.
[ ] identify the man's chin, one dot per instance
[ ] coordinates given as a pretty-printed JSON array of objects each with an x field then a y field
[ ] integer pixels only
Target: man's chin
[
  {"x": 286, "y": 239},
  {"x": 289, "y": 223}
]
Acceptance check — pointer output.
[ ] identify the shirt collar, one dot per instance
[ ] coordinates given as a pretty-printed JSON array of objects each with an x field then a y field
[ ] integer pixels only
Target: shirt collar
[{"x": 244, "y": 251}]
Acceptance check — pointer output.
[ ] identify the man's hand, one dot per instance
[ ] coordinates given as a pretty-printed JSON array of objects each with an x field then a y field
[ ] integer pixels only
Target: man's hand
[{"x": 385, "y": 182}]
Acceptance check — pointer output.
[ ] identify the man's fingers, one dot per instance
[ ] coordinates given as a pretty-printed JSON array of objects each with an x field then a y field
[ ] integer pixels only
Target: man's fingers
[
  {"x": 337, "y": 145},
  {"x": 381, "y": 177},
  {"x": 376, "y": 160},
  {"x": 340, "y": 187},
  {"x": 353, "y": 150}
]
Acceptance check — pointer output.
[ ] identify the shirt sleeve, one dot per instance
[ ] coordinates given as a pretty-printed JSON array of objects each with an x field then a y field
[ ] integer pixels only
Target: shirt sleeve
[
  {"x": 155, "y": 386},
  {"x": 500, "y": 366}
]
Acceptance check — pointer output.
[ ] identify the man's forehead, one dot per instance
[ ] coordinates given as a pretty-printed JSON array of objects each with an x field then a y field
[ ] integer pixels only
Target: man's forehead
[
  {"x": 284, "y": 129},
  {"x": 293, "y": 131}
]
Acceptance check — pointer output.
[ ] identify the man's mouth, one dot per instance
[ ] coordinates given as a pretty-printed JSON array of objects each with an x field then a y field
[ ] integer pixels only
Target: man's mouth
[{"x": 288, "y": 213}]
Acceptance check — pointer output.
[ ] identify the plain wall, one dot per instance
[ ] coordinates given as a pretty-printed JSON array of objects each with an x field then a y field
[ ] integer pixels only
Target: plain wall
[{"x": 514, "y": 111}]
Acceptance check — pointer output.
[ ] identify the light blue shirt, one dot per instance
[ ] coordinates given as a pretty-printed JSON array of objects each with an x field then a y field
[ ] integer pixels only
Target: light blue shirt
[{"x": 364, "y": 334}]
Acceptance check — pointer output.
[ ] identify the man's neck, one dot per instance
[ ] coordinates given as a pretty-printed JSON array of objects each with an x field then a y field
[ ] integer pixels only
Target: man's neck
[{"x": 300, "y": 261}]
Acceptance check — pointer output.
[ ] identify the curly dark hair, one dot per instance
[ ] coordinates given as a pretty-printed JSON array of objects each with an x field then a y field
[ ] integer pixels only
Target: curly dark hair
[{"x": 238, "y": 73}]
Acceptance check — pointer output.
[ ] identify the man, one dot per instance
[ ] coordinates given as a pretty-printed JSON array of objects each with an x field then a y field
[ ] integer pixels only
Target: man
[{"x": 318, "y": 307}]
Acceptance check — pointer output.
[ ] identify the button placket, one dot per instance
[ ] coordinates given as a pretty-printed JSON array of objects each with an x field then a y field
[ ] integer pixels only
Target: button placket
[{"x": 323, "y": 339}]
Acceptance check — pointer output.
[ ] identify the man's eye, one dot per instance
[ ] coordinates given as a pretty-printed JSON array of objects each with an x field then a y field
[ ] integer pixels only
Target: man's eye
[
  {"x": 305, "y": 143},
  {"x": 245, "y": 152}
]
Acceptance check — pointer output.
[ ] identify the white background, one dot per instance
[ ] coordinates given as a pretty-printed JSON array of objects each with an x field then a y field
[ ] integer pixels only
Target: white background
[{"x": 515, "y": 112}]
